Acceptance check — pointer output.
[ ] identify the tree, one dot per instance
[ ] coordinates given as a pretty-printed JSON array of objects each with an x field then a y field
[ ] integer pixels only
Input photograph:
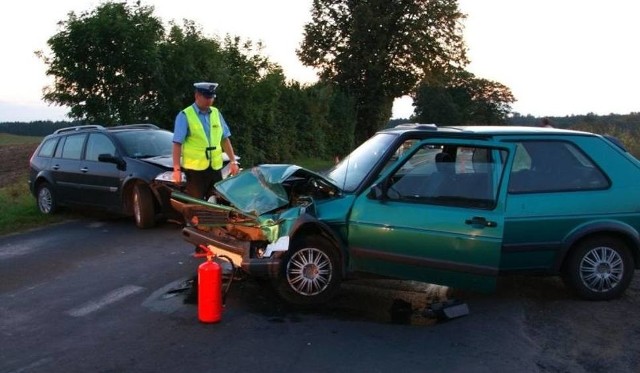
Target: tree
[
  {"x": 490, "y": 102},
  {"x": 436, "y": 104},
  {"x": 187, "y": 57},
  {"x": 463, "y": 99},
  {"x": 378, "y": 50},
  {"x": 105, "y": 64}
]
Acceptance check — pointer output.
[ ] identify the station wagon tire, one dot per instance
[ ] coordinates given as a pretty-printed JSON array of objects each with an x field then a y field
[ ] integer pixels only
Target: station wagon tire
[
  {"x": 143, "y": 211},
  {"x": 599, "y": 268},
  {"x": 46, "y": 198},
  {"x": 310, "y": 273}
]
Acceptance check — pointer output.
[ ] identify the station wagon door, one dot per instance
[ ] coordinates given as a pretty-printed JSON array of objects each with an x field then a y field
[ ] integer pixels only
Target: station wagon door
[
  {"x": 101, "y": 180},
  {"x": 435, "y": 216},
  {"x": 65, "y": 168}
]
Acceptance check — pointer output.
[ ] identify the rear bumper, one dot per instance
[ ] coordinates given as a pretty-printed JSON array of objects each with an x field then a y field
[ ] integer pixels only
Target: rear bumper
[{"x": 241, "y": 253}]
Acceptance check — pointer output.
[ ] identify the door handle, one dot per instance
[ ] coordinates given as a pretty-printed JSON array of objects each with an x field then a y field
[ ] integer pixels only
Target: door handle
[
  {"x": 56, "y": 167},
  {"x": 479, "y": 220},
  {"x": 84, "y": 170}
]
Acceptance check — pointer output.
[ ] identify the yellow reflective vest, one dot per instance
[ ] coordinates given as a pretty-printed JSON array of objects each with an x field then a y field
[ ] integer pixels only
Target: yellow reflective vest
[{"x": 198, "y": 152}]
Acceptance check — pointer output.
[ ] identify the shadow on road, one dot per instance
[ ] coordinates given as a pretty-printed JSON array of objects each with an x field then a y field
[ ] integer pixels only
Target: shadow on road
[{"x": 371, "y": 300}]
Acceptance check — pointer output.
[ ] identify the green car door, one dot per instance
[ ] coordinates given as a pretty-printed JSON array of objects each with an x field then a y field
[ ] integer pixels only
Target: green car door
[{"x": 435, "y": 216}]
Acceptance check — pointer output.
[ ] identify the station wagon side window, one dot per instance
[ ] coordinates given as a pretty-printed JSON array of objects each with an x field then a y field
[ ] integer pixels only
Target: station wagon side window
[
  {"x": 72, "y": 148},
  {"x": 47, "y": 148},
  {"x": 553, "y": 166},
  {"x": 448, "y": 175},
  {"x": 99, "y": 144},
  {"x": 59, "y": 147}
]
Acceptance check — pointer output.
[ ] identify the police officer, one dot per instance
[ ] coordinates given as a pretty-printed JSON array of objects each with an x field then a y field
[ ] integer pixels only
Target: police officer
[{"x": 200, "y": 136}]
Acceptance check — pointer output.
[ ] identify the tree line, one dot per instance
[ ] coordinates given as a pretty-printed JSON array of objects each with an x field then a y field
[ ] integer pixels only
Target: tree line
[{"x": 625, "y": 127}]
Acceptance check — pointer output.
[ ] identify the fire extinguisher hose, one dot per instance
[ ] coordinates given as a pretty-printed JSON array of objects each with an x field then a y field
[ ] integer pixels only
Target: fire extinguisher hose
[{"x": 233, "y": 274}]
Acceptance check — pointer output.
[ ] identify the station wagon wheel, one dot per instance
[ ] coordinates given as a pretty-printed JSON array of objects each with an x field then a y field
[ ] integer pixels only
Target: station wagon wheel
[
  {"x": 143, "y": 211},
  {"x": 46, "y": 199},
  {"x": 311, "y": 273},
  {"x": 600, "y": 268}
]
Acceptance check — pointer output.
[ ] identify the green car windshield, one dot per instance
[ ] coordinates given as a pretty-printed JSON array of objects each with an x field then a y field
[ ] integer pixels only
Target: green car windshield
[
  {"x": 352, "y": 170},
  {"x": 260, "y": 190}
]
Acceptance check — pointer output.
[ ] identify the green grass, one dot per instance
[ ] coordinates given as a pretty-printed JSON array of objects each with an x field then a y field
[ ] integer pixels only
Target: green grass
[
  {"x": 19, "y": 210},
  {"x": 8, "y": 139}
]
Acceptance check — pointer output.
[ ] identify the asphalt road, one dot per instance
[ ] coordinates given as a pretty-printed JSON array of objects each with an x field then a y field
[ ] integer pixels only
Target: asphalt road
[{"x": 103, "y": 296}]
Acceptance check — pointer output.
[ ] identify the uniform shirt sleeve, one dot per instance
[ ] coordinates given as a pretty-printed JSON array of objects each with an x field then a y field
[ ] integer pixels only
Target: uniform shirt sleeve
[
  {"x": 225, "y": 129},
  {"x": 180, "y": 128}
]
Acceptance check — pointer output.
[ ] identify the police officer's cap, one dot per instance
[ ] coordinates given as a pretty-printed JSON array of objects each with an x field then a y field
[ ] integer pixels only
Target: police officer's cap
[{"x": 206, "y": 89}]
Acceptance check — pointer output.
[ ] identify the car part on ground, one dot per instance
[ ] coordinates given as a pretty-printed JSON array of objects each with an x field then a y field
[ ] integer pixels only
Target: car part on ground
[{"x": 447, "y": 310}]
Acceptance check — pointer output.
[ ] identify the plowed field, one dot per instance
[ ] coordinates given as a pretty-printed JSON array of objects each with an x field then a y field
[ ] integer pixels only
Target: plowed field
[{"x": 14, "y": 163}]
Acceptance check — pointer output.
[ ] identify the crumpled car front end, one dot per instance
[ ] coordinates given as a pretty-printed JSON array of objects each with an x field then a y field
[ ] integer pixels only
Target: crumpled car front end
[{"x": 254, "y": 214}]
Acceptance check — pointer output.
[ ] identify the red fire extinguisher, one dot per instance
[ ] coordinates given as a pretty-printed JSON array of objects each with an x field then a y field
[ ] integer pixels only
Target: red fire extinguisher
[{"x": 209, "y": 290}]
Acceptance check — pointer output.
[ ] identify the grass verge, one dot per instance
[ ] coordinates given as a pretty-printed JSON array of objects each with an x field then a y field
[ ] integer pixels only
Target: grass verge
[
  {"x": 19, "y": 210},
  {"x": 8, "y": 139}
]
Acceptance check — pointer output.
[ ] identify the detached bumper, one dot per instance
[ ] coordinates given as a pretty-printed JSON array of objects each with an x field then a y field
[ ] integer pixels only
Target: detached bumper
[{"x": 241, "y": 253}]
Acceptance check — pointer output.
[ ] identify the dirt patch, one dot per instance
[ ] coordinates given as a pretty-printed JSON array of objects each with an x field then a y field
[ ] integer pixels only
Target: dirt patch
[
  {"x": 14, "y": 163},
  {"x": 582, "y": 336},
  {"x": 571, "y": 334}
]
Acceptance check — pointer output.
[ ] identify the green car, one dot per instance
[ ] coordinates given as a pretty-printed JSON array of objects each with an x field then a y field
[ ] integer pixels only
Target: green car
[{"x": 455, "y": 206}]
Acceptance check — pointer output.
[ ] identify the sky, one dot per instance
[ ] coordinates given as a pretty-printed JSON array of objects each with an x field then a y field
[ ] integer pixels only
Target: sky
[{"x": 558, "y": 57}]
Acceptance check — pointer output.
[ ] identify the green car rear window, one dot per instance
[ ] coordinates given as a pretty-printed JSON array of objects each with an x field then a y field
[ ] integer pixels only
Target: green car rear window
[{"x": 552, "y": 166}]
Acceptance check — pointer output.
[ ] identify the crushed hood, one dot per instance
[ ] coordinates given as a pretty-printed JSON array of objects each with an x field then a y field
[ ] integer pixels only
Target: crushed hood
[{"x": 260, "y": 189}]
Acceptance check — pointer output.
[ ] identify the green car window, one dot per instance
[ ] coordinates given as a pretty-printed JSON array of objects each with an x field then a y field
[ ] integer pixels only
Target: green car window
[
  {"x": 553, "y": 166},
  {"x": 448, "y": 175}
]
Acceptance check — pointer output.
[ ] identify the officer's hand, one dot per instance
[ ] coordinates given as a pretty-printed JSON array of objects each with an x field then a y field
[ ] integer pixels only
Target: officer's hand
[
  {"x": 233, "y": 169},
  {"x": 177, "y": 176}
]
